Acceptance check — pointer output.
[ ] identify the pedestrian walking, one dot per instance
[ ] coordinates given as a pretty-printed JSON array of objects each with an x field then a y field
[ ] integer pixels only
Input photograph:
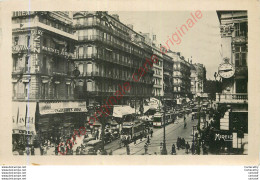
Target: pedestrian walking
[
  {"x": 145, "y": 148},
  {"x": 127, "y": 149},
  {"x": 161, "y": 147},
  {"x": 77, "y": 151},
  {"x": 134, "y": 139},
  {"x": 178, "y": 143},
  {"x": 193, "y": 148},
  {"x": 148, "y": 139},
  {"x": 187, "y": 148},
  {"x": 28, "y": 151},
  {"x": 173, "y": 150},
  {"x": 32, "y": 151},
  {"x": 151, "y": 132},
  {"x": 56, "y": 150},
  {"x": 41, "y": 150},
  {"x": 183, "y": 143},
  {"x": 97, "y": 135}
]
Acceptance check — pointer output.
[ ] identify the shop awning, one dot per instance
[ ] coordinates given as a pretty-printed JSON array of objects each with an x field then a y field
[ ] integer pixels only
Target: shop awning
[
  {"x": 120, "y": 111},
  {"x": 146, "y": 108}
]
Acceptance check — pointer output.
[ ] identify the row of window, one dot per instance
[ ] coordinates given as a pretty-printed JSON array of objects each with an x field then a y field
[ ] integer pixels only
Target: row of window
[
  {"x": 95, "y": 33},
  {"x": 23, "y": 90},
  {"x": 108, "y": 86},
  {"x": 93, "y": 20},
  {"x": 56, "y": 24},
  {"x": 90, "y": 51}
]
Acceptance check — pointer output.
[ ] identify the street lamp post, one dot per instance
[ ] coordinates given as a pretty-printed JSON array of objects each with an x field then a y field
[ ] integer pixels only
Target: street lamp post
[{"x": 164, "y": 150}]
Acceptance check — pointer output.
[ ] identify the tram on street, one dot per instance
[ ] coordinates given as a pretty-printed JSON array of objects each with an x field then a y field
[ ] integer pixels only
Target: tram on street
[
  {"x": 132, "y": 129},
  {"x": 158, "y": 120}
]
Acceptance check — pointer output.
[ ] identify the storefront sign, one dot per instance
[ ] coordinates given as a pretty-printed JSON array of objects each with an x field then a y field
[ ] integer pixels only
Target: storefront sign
[
  {"x": 62, "y": 107},
  {"x": 225, "y": 137},
  {"x": 57, "y": 51}
]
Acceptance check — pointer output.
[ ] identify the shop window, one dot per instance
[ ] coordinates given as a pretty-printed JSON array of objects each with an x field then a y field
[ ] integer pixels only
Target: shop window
[
  {"x": 240, "y": 56},
  {"x": 14, "y": 89},
  {"x": 68, "y": 87},
  {"x": 89, "y": 50},
  {"x": 89, "y": 86},
  {"x": 44, "y": 90},
  {"x": 27, "y": 65},
  {"x": 81, "y": 51},
  {"x": 241, "y": 29},
  {"x": 26, "y": 89},
  {"x": 55, "y": 90},
  {"x": 241, "y": 86},
  {"x": 80, "y": 68},
  {"x": 89, "y": 68},
  {"x": 15, "y": 63},
  {"x": 81, "y": 21}
]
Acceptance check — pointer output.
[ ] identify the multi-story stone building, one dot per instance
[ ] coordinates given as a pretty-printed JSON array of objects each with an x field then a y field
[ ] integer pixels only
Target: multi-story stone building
[
  {"x": 109, "y": 54},
  {"x": 43, "y": 83},
  {"x": 181, "y": 77},
  {"x": 233, "y": 71},
  {"x": 158, "y": 90},
  {"x": 168, "y": 79},
  {"x": 198, "y": 78}
]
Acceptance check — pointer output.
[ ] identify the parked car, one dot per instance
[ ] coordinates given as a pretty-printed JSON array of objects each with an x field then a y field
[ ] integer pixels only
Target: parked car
[{"x": 91, "y": 147}]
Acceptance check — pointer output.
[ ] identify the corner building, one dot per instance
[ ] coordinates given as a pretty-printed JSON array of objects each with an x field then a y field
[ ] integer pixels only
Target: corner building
[
  {"x": 234, "y": 96},
  {"x": 44, "y": 105}
]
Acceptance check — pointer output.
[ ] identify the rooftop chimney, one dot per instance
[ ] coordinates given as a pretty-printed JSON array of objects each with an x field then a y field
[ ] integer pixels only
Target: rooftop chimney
[
  {"x": 116, "y": 16},
  {"x": 131, "y": 26}
]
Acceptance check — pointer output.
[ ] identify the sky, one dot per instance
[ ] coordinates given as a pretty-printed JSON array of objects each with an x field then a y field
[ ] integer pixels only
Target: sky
[{"x": 202, "y": 41}]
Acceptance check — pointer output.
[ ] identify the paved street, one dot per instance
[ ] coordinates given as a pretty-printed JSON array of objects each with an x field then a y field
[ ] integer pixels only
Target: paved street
[{"x": 172, "y": 133}]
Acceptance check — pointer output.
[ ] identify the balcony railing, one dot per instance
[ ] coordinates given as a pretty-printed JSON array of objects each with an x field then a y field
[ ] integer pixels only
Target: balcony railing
[
  {"x": 104, "y": 27},
  {"x": 232, "y": 98},
  {"x": 22, "y": 70},
  {"x": 109, "y": 43}
]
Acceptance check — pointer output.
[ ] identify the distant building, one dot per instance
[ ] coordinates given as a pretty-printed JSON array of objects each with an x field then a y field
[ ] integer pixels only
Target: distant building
[
  {"x": 181, "y": 77},
  {"x": 158, "y": 91},
  {"x": 198, "y": 78}
]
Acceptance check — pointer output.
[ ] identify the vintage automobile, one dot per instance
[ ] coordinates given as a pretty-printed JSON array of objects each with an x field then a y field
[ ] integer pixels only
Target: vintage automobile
[{"x": 91, "y": 147}]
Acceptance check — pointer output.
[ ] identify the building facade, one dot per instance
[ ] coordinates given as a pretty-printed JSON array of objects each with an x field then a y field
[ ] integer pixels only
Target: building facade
[
  {"x": 233, "y": 72},
  {"x": 168, "y": 79},
  {"x": 44, "y": 102},
  {"x": 198, "y": 79},
  {"x": 181, "y": 77},
  {"x": 107, "y": 55}
]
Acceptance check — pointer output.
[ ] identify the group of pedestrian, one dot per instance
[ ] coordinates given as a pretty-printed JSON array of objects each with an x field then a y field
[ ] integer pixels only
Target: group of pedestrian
[{"x": 181, "y": 143}]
